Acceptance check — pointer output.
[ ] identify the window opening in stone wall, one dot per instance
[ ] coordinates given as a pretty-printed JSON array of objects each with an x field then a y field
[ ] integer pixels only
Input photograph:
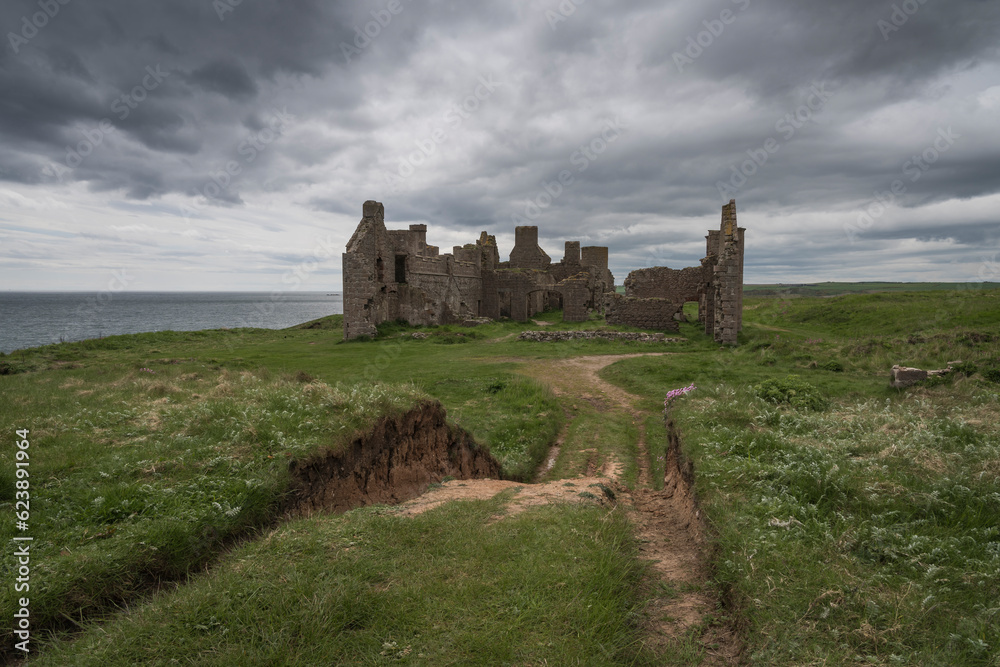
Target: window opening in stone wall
[{"x": 400, "y": 268}]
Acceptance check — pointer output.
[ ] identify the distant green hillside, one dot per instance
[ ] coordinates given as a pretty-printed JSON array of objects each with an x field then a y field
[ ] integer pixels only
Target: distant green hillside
[{"x": 832, "y": 289}]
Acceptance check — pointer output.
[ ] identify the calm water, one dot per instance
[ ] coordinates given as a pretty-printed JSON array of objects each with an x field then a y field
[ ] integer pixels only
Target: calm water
[{"x": 29, "y": 319}]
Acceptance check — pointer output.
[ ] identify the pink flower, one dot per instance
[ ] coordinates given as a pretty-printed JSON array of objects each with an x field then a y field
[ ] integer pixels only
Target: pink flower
[{"x": 676, "y": 393}]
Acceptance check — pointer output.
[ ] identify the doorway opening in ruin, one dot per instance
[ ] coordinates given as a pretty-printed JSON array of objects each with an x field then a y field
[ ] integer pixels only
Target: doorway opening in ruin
[
  {"x": 535, "y": 303},
  {"x": 505, "y": 302},
  {"x": 553, "y": 300}
]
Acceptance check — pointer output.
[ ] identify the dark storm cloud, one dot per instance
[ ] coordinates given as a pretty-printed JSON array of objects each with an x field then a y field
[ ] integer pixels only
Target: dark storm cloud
[
  {"x": 227, "y": 77},
  {"x": 92, "y": 62},
  {"x": 774, "y": 45},
  {"x": 464, "y": 115}
]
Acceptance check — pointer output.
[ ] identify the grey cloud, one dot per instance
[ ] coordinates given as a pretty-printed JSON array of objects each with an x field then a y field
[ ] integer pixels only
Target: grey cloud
[
  {"x": 646, "y": 195},
  {"x": 227, "y": 77}
]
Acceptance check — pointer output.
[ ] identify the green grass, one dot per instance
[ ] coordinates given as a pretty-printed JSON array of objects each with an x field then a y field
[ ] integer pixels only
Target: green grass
[
  {"x": 866, "y": 532},
  {"x": 834, "y": 289},
  {"x": 861, "y": 529},
  {"x": 451, "y": 586},
  {"x": 146, "y": 476},
  {"x": 152, "y": 453},
  {"x": 597, "y": 437}
]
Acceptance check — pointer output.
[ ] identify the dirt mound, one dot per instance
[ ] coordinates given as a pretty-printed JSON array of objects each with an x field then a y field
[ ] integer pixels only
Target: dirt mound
[{"x": 395, "y": 461}]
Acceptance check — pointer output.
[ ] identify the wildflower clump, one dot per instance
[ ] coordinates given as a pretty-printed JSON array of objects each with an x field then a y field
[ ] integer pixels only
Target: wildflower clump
[{"x": 673, "y": 395}]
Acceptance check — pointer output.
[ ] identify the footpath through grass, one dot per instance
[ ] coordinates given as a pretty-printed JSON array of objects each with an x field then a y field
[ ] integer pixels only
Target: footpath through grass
[
  {"x": 153, "y": 454},
  {"x": 852, "y": 523},
  {"x": 855, "y": 524}
]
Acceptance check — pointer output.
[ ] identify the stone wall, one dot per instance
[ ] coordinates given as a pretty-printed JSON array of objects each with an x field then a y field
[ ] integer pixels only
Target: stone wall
[
  {"x": 365, "y": 303},
  {"x": 571, "y": 256},
  {"x": 637, "y": 336},
  {"x": 593, "y": 255},
  {"x": 391, "y": 275},
  {"x": 676, "y": 285},
  {"x": 575, "y": 293},
  {"x": 522, "y": 293},
  {"x": 716, "y": 285},
  {"x": 642, "y": 313}
]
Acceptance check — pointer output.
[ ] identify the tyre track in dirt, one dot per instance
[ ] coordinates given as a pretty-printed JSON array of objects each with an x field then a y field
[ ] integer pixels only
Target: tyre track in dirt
[
  {"x": 681, "y": 614},
  {"x": 668, "y": 522}
]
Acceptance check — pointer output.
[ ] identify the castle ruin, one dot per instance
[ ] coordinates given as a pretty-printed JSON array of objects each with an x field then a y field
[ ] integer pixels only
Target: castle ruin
[
  {"x": 395, "y": 275},
  {"x": 655, "y": 297}
]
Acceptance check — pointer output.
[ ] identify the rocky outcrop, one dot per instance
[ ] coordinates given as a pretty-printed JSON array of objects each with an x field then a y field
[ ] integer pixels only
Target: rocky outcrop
[{"x": 393, "y": 462}]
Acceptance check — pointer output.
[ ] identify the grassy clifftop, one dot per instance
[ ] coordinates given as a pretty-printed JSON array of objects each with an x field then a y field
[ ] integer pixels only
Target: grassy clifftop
[{"x": 851, "y": 523}]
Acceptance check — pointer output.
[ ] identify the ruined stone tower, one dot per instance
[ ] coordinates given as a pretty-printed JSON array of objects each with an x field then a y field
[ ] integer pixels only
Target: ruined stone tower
[
  {"x": 655, "y": 297},
  {"x": 727, "y": 280},
  {"x": 527, "y": 254}
]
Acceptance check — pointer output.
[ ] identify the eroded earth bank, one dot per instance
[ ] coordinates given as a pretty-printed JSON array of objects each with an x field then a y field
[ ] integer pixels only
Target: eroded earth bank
[{"x": 684, "y": 612}]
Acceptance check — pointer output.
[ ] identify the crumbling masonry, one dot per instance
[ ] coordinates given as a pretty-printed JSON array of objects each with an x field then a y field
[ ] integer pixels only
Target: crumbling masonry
[
  {"x": 655, "y": 297},
  {"x": 394, "y": 275}
]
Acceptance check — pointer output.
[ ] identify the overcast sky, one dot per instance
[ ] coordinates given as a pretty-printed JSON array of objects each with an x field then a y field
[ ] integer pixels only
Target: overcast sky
[{"x": 229, "y": 145}]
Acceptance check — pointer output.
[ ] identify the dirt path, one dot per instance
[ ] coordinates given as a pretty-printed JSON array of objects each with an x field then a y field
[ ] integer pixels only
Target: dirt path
[{"x": 668, "y": 525}]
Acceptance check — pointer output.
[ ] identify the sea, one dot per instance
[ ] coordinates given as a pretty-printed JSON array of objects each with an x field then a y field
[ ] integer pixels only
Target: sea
[{"x": 30, "y": 319}]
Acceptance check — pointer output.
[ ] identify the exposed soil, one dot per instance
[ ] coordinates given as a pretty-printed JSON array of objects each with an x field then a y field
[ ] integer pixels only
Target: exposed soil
[
  {"x": 402, "y": 456},
  {"x": 577, "y": 377},
  {"x": 668, "y": 522},
  {"x": 553, "y": 455},
  {"x": 394, "y": 461},
  {"x": 524, "y": 495}
]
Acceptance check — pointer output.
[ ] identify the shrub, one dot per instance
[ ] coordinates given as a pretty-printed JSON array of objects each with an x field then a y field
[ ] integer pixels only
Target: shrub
[
  {"x": 966, "y": 368},
  {"x": 938, "y": 380},
  {"x": 13, "y": 368},
  {"x": 494, "y": 385},
  {"x": 791, "y": 390},
  {"x": 992, "y": 374},
  {"x": 834, "y": 366}
]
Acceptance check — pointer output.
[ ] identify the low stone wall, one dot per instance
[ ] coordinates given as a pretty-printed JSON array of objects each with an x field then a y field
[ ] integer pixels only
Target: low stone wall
[
  {"x": 641, "y": 313},
  {"x": 549, "y": 336},
  {"x": 677, "y": 285},
  {"x": 903, "y": 376}
]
